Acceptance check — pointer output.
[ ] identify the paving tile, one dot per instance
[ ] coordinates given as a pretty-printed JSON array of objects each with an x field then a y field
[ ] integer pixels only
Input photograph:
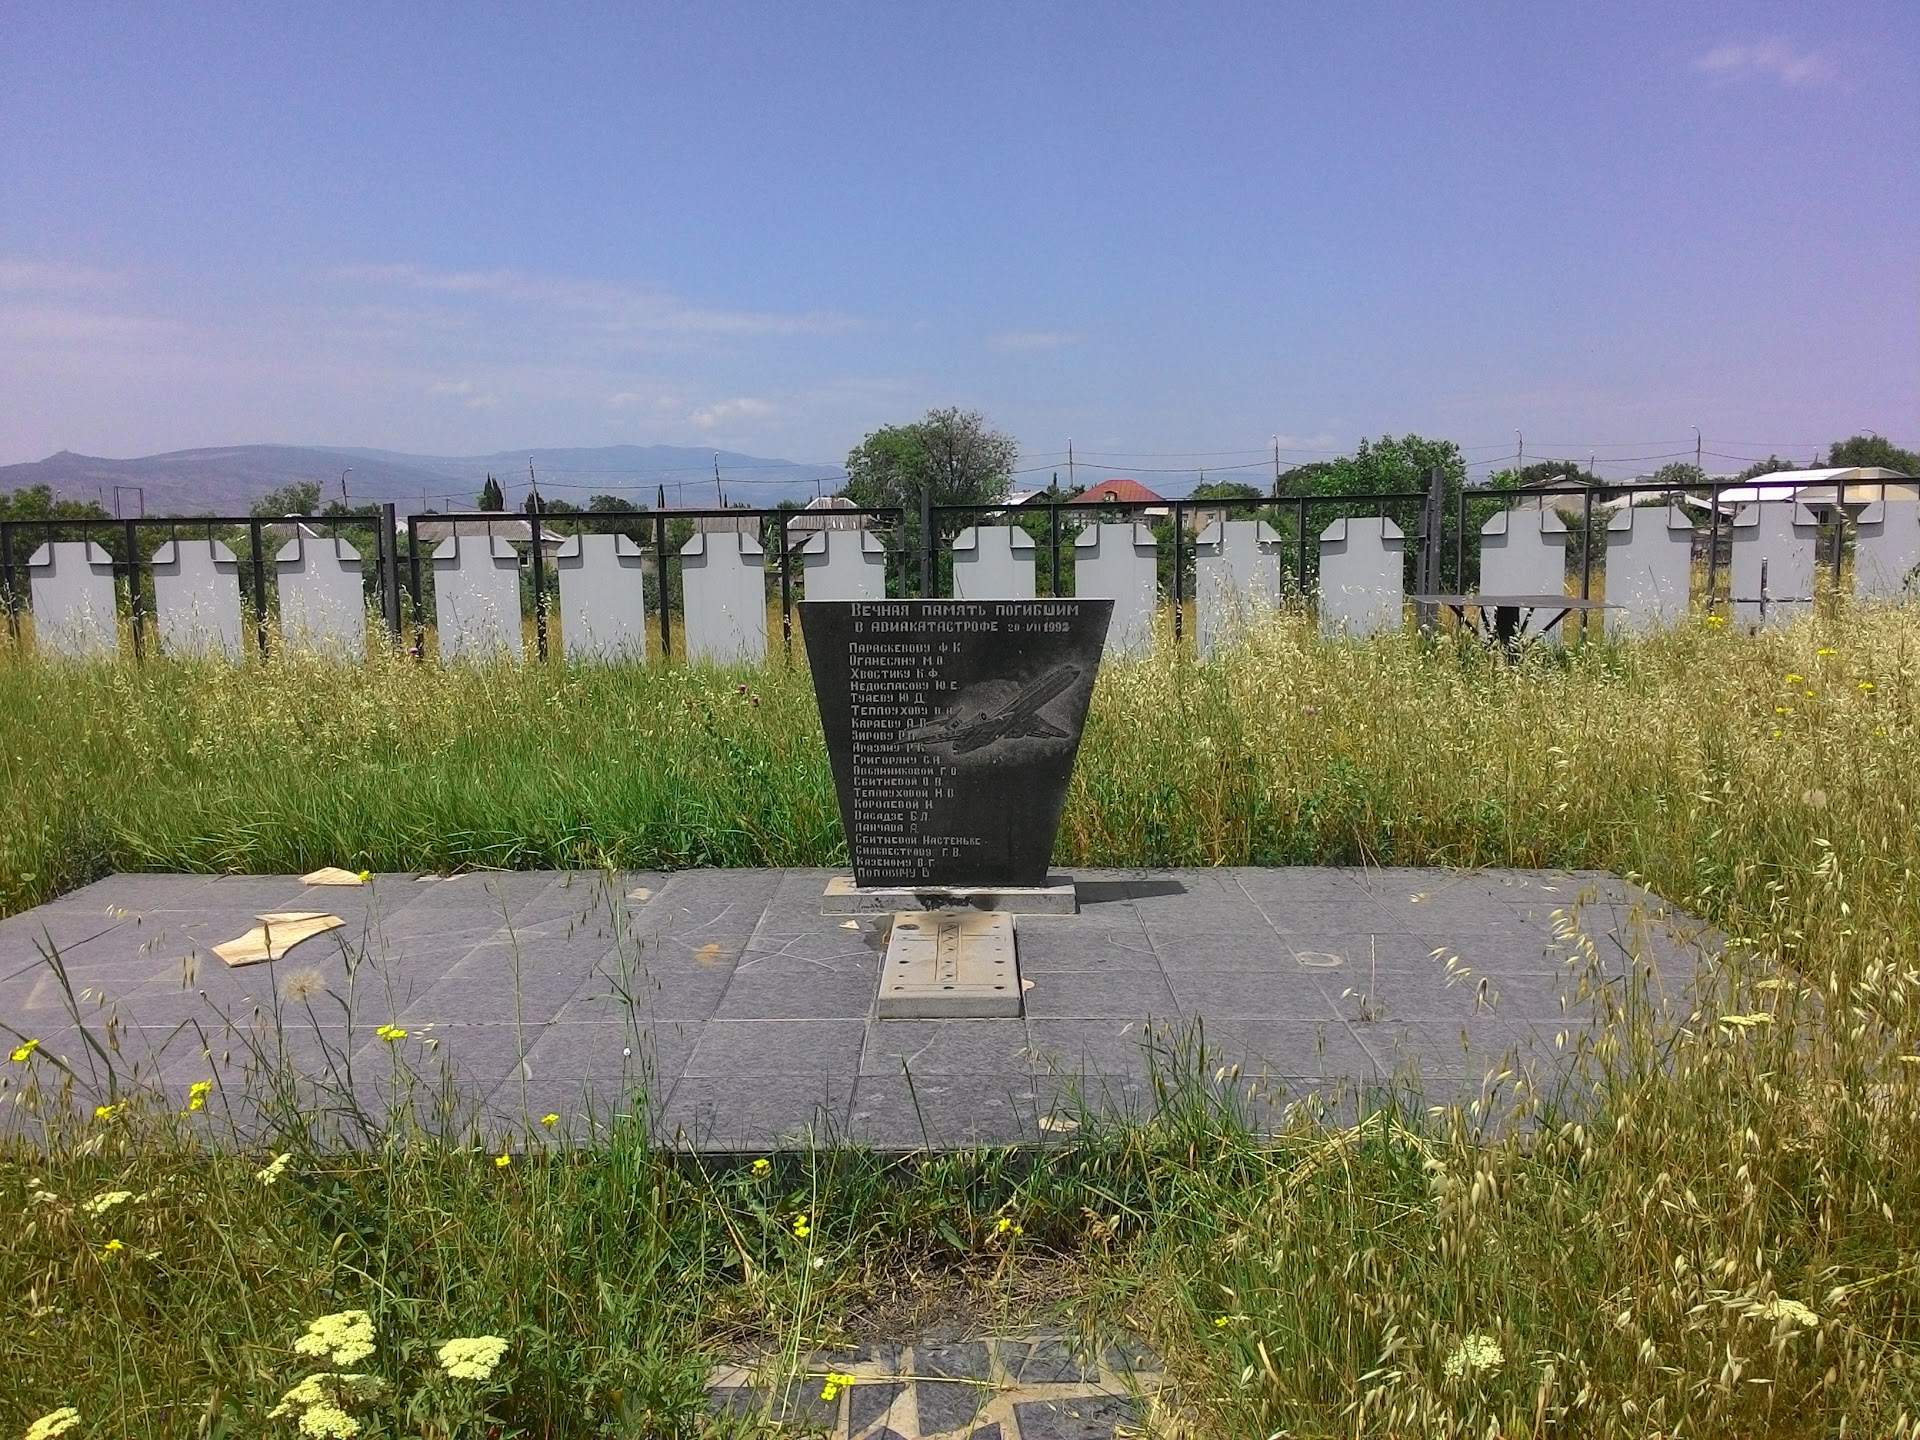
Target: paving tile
[
  {"x": 132, "y": 890},
  {"x": 687, "y": 991},
  {"x": 1115, "y": 1047},
  {"x": 25, "y": 939},
  {"x": 525, "y": 979},
  {"x": 825, "y": 994},
  {"x": 743, "y": 1113},
  {"x": 869, "y": 1404},
  {"x": 1438, "y": 1049},
  {"x": 826, "y": 949},
  {"x": 1328, "y": 1049},
  {"x": 1087, "y": 941},
  {"x": 1095, "y": 994},
  {"x": 1280, "y": 990},
  {"x": 946, "y": 1047},
  {"x": 749, "y": 1048},
  {"x": 608, "y": 1063},
  {"x": 942, "y": 1111},
  {"x": 1183, "y": 949},
  {"x": 1065, "y": 1104},
  {"x": 1097, "y": 1417}
]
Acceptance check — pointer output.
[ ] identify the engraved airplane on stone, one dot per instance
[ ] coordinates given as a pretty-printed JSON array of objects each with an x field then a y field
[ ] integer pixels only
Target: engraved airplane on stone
[{"x": 1018, "y": 719}]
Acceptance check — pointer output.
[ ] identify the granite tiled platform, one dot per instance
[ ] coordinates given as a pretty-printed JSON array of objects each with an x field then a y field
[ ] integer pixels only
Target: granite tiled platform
[{"x": 724, "y": 1006}]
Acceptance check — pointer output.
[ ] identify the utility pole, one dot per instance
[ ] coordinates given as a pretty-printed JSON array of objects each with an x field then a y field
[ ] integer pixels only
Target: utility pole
[
  {"x": 1276, "y": 467},
  {"x": 1696, "y": 449},
  {"x": 1520, "y": 460},
  {"x": 1069, "y": 462},
  {"x": 343, "y": 483},
  {"x": 719, "y": 495},
  {"x": 533, "y": 483}
]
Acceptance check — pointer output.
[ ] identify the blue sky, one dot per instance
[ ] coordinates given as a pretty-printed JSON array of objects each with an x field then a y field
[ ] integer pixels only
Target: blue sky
[{"x": 1165, "y": 233}]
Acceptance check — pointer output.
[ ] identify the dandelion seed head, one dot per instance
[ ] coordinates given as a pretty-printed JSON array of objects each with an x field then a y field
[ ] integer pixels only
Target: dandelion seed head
[{"x": 300, "y": 986}]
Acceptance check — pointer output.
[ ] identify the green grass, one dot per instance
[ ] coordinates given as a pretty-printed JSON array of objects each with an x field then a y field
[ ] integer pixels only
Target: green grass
[{"x": 1724, "y": 1244}]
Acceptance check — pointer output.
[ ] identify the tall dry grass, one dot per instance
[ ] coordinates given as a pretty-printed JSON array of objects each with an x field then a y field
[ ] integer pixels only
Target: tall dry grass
[{"x": 1714, "y": 1236}]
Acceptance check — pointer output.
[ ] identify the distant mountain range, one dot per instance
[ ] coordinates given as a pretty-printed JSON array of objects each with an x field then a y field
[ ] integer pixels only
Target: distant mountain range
[{"x": 226, "y": 481}]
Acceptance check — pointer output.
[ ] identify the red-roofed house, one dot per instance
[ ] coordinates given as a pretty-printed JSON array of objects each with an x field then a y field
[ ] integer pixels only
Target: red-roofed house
[{"x": 1117, "y": 492}]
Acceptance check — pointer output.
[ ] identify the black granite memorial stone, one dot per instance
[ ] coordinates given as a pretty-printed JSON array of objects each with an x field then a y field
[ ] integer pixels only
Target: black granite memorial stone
[{"x": 952, "y": 727}]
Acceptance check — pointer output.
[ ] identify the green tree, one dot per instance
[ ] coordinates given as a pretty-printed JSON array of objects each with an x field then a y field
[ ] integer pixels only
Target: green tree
[
  {"x": 36, "y": 502},
  {"x": 601, "y": 504},
  {"x": 952, "y": 455},
  {"x": 490, "y": 496},
  {"x": 302, "y": 497},
  {"x": 1227, "y": 490},
  {"x": 1680, "y": 475},
  {"x": 1874, "y": 450},
  {"x": 1767, "y": 467},
  {"x": 1389, "y": 464}
]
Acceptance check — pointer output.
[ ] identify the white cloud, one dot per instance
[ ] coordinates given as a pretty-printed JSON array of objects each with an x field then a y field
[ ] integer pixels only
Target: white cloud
[
  {"x": 1774, "y": 58},
  {"x": 43, "y": 275},
  {"x": 743, "y": 408},
  {"x": 609, "y": 307},
  {"x": 1030, "y": 342}
]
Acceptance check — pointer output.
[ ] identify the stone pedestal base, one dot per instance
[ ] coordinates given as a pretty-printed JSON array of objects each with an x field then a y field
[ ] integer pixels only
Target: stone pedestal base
[{"x": 843, "y": 897}]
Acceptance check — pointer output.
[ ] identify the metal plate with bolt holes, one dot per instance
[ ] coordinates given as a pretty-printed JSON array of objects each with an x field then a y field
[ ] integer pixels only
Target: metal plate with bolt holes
[
  {"x": 949, "y": 964},
  {"x": 843, "y": 897}
]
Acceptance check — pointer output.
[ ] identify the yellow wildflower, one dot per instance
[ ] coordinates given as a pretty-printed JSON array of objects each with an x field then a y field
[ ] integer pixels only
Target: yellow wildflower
[
  {"x": 21, "y": 1052},
  {"x": 365, "y": 875},
  {"x": 106, "y": 1200},
  {"x": 762, "y": 1168},
  {"x": 472, "y": 1358},
  {"x": 274, "y": 1171},
  {"x": 326, "y": 1389},
  {"x": 392, "y": 1034},
  {"x": 502, "y": 1161},
  {"x": 1747, "y": 1022},
  {"x": 197, "y": 1095},
  {"x": 1476, "y": 1352},
  {"x": 837, "y": 1380},
  {"x": 56, "y": 1422},
  {"x": 342, "y": 1338},
  {"x": 1864, "y": 686},
  {"x": 802, "y": 1228},
  {"x": 112, "y": 1247},
  {"x": 1795, "y": 679},
  {"x": 1220, "y": 1322},
  {"x": 108, "y": 1112},
  {"x": 1714, "y": 622},
  {"x": 1784, "y": 1310},
  {"x": 328, "y": 1421},
  {"x": 1007, "y": 1227},
  {"x": 550, "y": 1119}
]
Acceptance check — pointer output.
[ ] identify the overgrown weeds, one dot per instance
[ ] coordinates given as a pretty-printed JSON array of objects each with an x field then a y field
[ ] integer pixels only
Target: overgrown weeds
[{"x": 1718, "y": 1237}]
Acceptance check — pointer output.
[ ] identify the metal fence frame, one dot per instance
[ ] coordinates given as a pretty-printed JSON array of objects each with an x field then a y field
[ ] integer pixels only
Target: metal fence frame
[{"x": 1429, "y": 531}]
